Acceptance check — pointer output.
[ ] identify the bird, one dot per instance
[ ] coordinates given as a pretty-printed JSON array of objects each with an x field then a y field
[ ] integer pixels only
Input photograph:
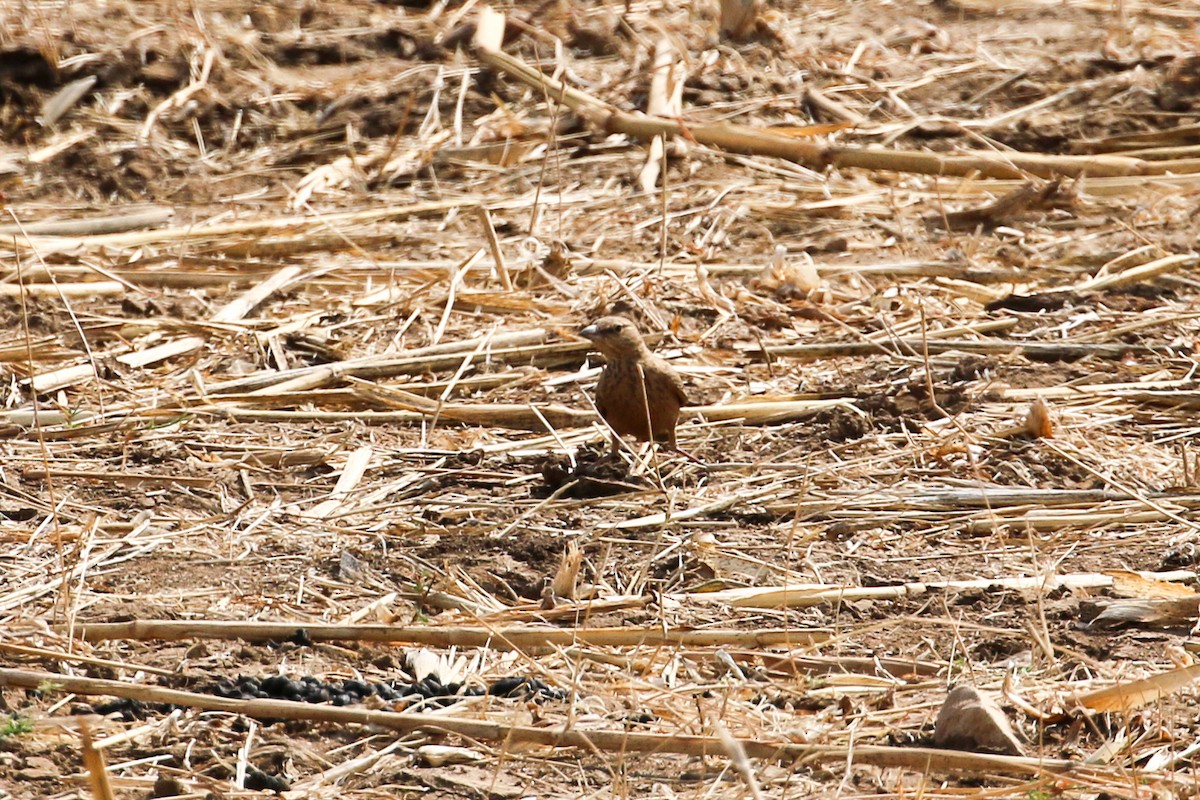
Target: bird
[{"x": 638, "y": 394}]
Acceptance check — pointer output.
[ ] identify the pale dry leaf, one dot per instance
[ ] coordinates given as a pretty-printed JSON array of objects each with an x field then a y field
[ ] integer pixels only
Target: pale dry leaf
[
  {"x": 1038, "y": 422},
  {"x": 414, "y": 159},
  {"x": 1127, "y": 583},
  {"x": 489, "y": 29},
  {"x": 437, "y": 755},
  {"x": 503, "y": 125},
  {"x": 65, "y": 99},
  {"x": 1135, "y": 694},
  {"x": 567, "y": 575},
  {"x": 790, "y": 276},
  {"x": 1157, "y": 613},
  {"x": 324, "y": 179},
  {"x": 718, "y": 301}
]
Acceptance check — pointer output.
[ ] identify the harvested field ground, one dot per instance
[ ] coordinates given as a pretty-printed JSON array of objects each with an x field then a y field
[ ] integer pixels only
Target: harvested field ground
[{"x": 290, "y": 301}]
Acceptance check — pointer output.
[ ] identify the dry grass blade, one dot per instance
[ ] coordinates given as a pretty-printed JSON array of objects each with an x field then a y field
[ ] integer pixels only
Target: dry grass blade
[
  {"x": 515, "y": 347},
  {"x": 767, "y": 411},
  {"x": 1144, "y": 272},
  {"x": 666, "y": 86},
  {"x": 1040, "y": 351},
  {"x": 1125, "y": 697},
  {"x": 805, "y": 595},
  {"x": 533, "y": 418},
  {"x": 130, "y": 219},
  {"x": 47, "y": 244},
  {"x": 89, "y": 289},
  {"x": 93, "y": 762}
]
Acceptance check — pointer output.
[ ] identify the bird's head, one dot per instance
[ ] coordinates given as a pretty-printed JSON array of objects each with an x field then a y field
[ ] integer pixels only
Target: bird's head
[{"x": 615, "y": 337}]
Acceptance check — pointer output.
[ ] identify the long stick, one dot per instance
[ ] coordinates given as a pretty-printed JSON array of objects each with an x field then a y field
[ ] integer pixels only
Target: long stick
[
  {"x": 502, "y": 638},
  {"x": 752, "y": 141},
  {"x": 623, "y": 741}
]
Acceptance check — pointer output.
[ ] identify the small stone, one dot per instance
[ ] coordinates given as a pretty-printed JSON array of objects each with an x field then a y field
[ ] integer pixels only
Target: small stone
[
  {"x": 39, "y": 768},
  {"x": 167, "y": 786},
  {"x": 970, "y": 720},
  {"x": 435, "y": 755}
]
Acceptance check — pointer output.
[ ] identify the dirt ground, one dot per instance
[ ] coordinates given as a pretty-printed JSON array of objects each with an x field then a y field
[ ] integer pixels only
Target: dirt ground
[{"x": 355, "y": 444}]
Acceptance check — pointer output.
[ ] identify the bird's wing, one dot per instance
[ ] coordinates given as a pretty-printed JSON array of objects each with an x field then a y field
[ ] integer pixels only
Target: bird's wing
[
  {"x": 678, "y": 387},
  {"x": 674, "y": 382}
]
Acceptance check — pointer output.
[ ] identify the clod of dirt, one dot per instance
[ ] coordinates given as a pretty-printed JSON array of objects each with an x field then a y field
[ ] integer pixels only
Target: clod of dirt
[
  {"x": 1138, "y": 297},
  {"x": 349, "y": 568},
  {"x": 1002, "y": 648},
  {"x": 1032, "y": 303},
  {"x": 971, "y": 597},
  {"x": 138, "y": 306},
  {"x": 526, "y": 688},
  {"x": 1184, "y": 556},
  {"x": 257, "y": 780},
  {"x": 970, "y": 720},
  {"x": 885, "y": 413},
  {"x": 594, "y": 474},
  {"x": 129, "y": 710},
  {"x": 971, "y": 367},
  {"x": 167, "y": 786},
  {"x": 1180, "y": 89},
  {"x": 426, "y": 692},
  {"x": 39, "y": 768},
  {"x": 839, "y": 531},
  {"x": 20, "y": 66},
  {"x": 914, "y": 398},
  {"x": 844, "y": 425},
  {"x": 601, "y": 38}
]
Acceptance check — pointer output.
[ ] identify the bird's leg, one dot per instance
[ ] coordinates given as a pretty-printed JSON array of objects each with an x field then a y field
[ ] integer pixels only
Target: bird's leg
[{"x": 677, "y": 449}]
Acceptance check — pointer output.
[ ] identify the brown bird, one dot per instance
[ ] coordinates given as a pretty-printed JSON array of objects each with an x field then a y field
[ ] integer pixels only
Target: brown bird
[{"x": 639, "y": 394}]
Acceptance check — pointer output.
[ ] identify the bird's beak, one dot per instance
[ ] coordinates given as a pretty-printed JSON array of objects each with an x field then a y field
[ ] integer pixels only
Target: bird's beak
[{"x": 590, "y": 332}]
